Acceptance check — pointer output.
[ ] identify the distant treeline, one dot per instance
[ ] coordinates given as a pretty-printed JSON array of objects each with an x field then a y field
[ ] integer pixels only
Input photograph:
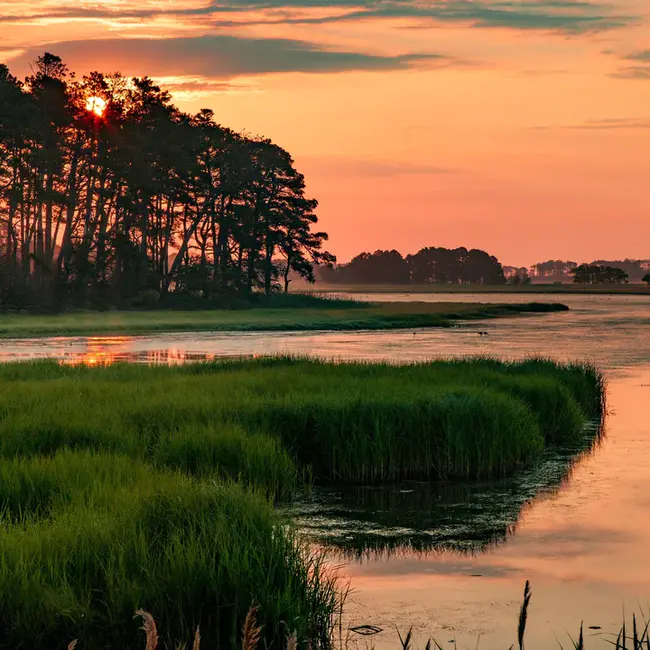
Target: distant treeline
[
  {"x": 463, "y": 266},
  {"x": 598, "y": 274},
  {"x": 429, "y": 265},
  {"x": 563, "y": 271},
  {"x": 110, "y": 195}
]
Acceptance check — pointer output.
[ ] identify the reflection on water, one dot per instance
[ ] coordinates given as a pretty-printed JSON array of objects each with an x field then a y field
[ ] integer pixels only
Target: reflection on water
[
  {"x": 377, "y": 523},
  {"x": 608, "y": 330},
  {"x": 98, "y": 351}
]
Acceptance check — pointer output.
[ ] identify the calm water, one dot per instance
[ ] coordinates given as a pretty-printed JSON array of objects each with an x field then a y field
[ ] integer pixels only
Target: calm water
[{"x": 452, "y": 561}]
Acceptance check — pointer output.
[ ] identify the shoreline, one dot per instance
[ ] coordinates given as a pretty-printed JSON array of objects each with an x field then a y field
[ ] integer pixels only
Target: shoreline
[
  {"x": 370, "y": 317},
  {"x": 550, "y": 289}
]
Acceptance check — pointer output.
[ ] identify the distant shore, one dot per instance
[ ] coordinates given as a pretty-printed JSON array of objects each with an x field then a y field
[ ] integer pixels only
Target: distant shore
[
  {"x": 336, "y": 317},
  {"x": 585, "y": 289}
]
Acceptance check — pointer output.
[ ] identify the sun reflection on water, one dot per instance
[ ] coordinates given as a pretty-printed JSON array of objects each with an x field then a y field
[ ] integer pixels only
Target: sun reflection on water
[{"x": 107, "y": 350}]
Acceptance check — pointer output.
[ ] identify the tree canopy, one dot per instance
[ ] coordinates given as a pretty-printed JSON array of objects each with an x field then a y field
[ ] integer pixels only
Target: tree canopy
[
  {"x": 429, "y": 265},
  {"x": 595, "y": 274},
  {"x": 110, "y": 195}
]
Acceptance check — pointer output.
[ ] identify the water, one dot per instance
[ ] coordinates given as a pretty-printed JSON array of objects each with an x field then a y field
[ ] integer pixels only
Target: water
[{"x": 452, "y": 561}]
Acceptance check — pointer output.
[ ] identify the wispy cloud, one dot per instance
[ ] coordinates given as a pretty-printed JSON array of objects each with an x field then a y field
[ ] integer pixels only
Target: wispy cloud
[
  {"x": 633, "y": 72},
  {"x": 605, "y": 124},
  {"x": 614, "y": 124},
  {"x": 563, "y": 16},
  {"x": 191, "y": 88},
  {"x": 220, "y": 57},
  {"x": 637, "y": 66}
]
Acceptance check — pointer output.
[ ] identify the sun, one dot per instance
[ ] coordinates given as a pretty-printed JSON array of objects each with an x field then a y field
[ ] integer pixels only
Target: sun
[{"x": 96, "y": 105}]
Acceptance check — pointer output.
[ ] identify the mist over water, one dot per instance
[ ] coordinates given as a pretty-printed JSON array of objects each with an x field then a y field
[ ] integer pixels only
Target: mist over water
[{"x": 451, "y": 561}]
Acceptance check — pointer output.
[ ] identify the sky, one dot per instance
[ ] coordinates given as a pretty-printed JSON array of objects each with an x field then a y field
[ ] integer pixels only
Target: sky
[{"x": 521, "y": 127}]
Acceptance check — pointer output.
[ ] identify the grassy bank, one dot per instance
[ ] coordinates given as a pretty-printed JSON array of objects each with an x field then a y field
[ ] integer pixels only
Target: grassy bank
[
  {"x": 313, "y": 315},
  {"x": 337, "y": 421},
  {"x": 129, "y": 487},
  {"x": 88, "y": 538},
  {"x": 551, "y": 289}
]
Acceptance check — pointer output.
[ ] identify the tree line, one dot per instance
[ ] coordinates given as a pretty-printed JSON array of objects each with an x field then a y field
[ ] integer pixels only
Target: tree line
[
  {"x": 564, "y": 271},
  {"x": 598, "y": 274},
  {"x": 428, "y": 265},
  {"x": 463, "y": 266},
  {"x": 110, "y": 195}
]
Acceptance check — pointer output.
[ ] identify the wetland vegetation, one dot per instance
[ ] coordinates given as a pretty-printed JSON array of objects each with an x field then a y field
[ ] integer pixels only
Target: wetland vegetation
[
  {"x": 133, "y": 487},
  {"x": 276, "y": 313},
  {"x": 377, "y": 523}
]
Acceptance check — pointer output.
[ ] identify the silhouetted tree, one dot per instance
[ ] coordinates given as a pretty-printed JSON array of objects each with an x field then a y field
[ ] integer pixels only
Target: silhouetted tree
[
  {"x": 520, "y": 277},
  {"x": 553, "y": 270},
  {"x": 380, "y": 267},
  {"x": 595, "y": 274},
  {"x": 635, "y": 269},
  {"x": 429, "y": 265},
  {"x": 455, "y": 266},
  {"x": 100, "y": 208}
]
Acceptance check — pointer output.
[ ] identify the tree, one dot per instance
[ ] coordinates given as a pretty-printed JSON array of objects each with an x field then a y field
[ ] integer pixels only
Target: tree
[
  {"x": 646, "y": 278},
  {"x": 455, "y": 266},
  {"x": 520, "y": 277},
  {"x": 635, "y": 269},
  {"x": 100, "y": 208},
  {"x": 380, "y": 267},
  {"x": 595, "y": 274},
  {"x": 428, "y": 265},
  {"x": 553, "y": 270}
]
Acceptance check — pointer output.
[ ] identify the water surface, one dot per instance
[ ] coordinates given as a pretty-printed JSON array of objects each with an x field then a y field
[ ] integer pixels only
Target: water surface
[{"x": 452, "y": 561}]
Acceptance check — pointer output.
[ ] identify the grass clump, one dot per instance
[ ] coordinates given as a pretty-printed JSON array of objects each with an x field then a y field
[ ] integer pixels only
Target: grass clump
[
  {"x": 440, "y": 433},
  {"x": 227, "y": 451},
  {"x": 107, "y": 535},
  {"x": 266, "y": 420}
]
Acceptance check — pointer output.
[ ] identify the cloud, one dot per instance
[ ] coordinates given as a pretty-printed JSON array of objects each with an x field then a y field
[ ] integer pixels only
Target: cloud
[
  {"x": 616, "y": 123},
  {"x": 192, "y": 88},
  {"x": 639, "y": 56},
  {"x": 640, "y": 68},
  {"x": 218, "y": 56},
  {"x": 605, "y": 124},
  {"x": 564, "y": 16},
  {"x": 633, "y": 72}
]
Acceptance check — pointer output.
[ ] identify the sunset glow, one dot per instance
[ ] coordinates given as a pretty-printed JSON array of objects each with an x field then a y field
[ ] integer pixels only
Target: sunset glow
[
  {"x": 96, "y": 105},
  {"x": 509, "y": 126}
]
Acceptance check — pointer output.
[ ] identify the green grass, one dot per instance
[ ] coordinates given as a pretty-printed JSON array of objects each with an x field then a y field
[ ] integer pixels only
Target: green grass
[
  {"x": 88, "y": 538},
  {"x": 254, "y": 419},
  {"x": 296, "y": 314},
  {"x": 128, "y": 487}
]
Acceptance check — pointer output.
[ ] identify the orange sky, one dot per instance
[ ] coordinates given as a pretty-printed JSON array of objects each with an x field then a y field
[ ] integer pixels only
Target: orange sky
[{"x": 517, "y": 126}]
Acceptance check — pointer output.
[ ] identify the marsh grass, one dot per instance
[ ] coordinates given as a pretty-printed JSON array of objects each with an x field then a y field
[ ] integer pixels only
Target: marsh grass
[
  {"x": 89, "y": 538},
  {"x": 129, "y": 488},
  {"x": 269, "y": 421},
  {"x": 639, "y": 639},
  {"x": 293, "y": 313}
]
